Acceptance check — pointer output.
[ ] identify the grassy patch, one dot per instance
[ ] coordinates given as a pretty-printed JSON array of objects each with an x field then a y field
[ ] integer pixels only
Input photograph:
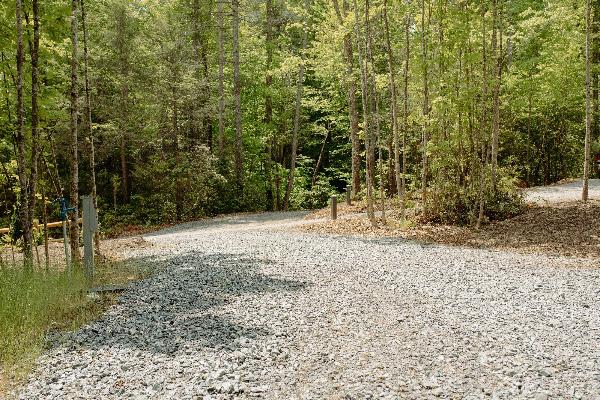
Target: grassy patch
[
  {"x": 33, "y": 303},
  {"x": 30, "y": 302}
]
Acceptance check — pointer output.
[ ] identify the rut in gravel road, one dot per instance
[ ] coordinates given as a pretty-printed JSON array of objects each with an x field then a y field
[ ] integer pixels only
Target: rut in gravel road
[{"x": 244, "y": 308}]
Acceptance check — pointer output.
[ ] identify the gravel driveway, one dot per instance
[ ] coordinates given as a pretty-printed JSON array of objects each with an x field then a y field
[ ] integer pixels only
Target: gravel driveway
[
  {"x": 565, "y": 192},
  {"x": 246, "y": 309}
]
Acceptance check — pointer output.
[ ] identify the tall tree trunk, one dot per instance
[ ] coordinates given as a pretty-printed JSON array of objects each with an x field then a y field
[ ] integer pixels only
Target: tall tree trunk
[
  {"x": 88, "y": 115},
  {"x": 221, "y": 111},
  {"x": 33, "y": 177},
  {"x": 75, "y": 255},
  {"x": 425, "y": 171},
  {"x": 196, "y": 106},
  {"x": 405, "y": 113},
  {"x": 353, "y": 111},
  {"x": 207, "y": 120},
  {"x": 237, "y": 93},
  {"x": 595, "y": 62},
  {"x": 366, "y": 117},
  {"x": 33, "y": 174},
  {"x": 269, "y": 104},
  {"x": 297, "y": 116},
  {"x": 20, "y": 144},
  {"x": 124, "y": 107},
  {"x": 269, "y": 77},
  {"x": 497, "y": 51},
  {"x": 373, "y": 114},
  {"x": 588, "y": 101},
  {"x": 372, "y": 86},
  {"x": 484, "y": 121},
  {"x": 320, "y": 160},
  {"x": 351, "y": 98},
  {"x": 176, "y": 150},
  {"x": 394, "y": 100}
]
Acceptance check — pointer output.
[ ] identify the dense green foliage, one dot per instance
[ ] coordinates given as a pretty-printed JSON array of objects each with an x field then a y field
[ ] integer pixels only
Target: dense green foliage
[{"x": 154, "y": 74}]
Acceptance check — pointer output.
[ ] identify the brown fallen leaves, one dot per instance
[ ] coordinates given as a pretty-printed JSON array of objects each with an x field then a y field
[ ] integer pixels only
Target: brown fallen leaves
[{"x": 568, "y": 229}]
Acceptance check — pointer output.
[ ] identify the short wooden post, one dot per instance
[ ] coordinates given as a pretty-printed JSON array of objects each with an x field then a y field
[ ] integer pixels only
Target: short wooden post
[
  {"x": 333, "y": 208},
  {"x": 349, "y": 195},
  {"x": 90, "y": 224}
]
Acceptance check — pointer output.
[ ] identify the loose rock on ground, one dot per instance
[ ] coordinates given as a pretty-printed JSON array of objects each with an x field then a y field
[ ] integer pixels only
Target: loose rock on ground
[{"x": 245, "y": 308}]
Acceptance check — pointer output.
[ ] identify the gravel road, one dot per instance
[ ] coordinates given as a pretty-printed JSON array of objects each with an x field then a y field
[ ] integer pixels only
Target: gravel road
[
  {"x": 562, "y": 193},
  {"x": 245, "y": 308}
]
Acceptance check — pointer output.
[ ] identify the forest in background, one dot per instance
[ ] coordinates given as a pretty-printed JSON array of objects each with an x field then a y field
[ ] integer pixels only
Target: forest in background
[{"x": 173, "y": 110}]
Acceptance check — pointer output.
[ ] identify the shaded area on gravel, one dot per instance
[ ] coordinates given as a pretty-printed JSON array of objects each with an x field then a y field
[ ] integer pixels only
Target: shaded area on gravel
[{"x": 172, "y": 311}]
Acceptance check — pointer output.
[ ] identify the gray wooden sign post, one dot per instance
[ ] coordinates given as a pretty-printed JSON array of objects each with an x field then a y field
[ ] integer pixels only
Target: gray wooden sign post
[{"x": 90, "y": 225}]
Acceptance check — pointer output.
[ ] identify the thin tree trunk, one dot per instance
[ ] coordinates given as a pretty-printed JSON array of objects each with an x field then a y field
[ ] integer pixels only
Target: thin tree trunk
[
  {"x": 269, "y": 104},
  {"x": 74, "y": 236},
  {"x": 595, "y": 61},
  {"x": 20, "y": 144},
  {"x": 375, "y": 107},
  {"x": 365, "y": 106},
  {"x": 374, "y": 115},
  {"x": 380, "y": 156},
  {"x": 588, "y": 102},
  {"x": 484, "y": 122},
  {"x": 237, "y": 93},
  {"x": 124, "y": 111},
  {"x": 33, "y": 177},
  {"x": 394, "y": 99},
  {"x": 320, "y": 160},
  {"x": 425, "y": 171},
  {"x": 269, "y": 76},
  {"x": 88, "y": 114},
  {"x": 497, "y": 50},
  {"x": 405, "y": 114},
  {"x": 195, "y": 128},
  {"x": 297, "y": 116},
  {"x": 45, "y": 222},
  {"x": 351, "y": 99},
  {"x": 221, "y": 112},
  {"x": 354, "y": 124},
  {"x": 207, "y": 120},
  {"x": 175, "y": 128}
]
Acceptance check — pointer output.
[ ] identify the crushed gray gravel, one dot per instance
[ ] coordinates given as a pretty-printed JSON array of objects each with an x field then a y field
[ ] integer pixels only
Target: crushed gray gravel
[
  {"x": 566, "y": 192},
  {"x": 244, "y": 308}
]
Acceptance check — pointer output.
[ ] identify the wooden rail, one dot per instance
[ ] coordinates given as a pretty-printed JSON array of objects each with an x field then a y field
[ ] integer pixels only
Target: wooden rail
[{"x": 4, "y": 231}]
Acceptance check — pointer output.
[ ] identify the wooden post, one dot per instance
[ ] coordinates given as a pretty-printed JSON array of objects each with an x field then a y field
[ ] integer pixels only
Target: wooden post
[
  {"x": 90, "y": 224},
  {"x": 66, "y": 244},
  {"x": 349, "y": 195},
  {"x": 45, "y": 220},
  {"x": 333, "y": 208},
  {"x": 34, "y": 243}
]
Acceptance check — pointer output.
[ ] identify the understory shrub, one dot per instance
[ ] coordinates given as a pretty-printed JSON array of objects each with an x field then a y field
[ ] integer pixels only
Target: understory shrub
[{"x": 459, "y": 204}]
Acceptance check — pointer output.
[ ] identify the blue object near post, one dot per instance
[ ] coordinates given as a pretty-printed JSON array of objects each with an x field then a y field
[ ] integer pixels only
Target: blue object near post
[
  {"x": 64, "y": 212},
  {"x": 64, "y": 208}
]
